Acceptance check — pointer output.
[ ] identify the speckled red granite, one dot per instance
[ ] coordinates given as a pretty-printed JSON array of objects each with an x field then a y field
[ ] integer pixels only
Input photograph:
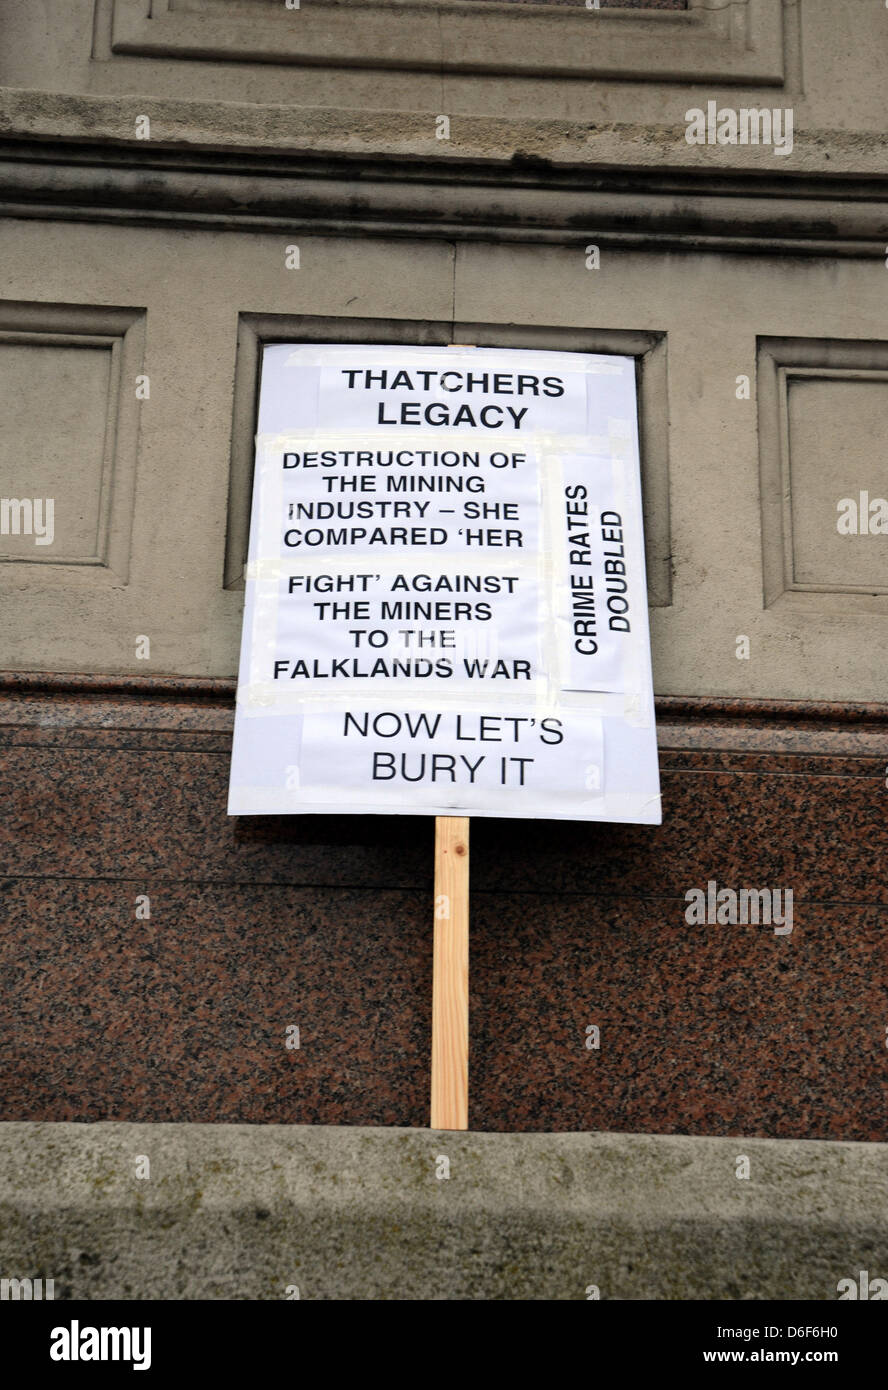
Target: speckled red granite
[
  {"x": 185, "y": 1016},
  {"x": 703, "y": 1030},
  {"x": 114, "y": 788}
]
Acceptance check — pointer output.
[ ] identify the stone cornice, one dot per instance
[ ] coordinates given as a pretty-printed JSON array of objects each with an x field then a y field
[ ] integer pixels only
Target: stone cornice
[
  {"x": 221, "y": 691},
  {"x": 525, "y": 198}
]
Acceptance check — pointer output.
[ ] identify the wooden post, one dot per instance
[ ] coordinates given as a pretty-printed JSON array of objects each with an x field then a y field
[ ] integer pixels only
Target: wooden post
[{"x": 450, "y": 979}]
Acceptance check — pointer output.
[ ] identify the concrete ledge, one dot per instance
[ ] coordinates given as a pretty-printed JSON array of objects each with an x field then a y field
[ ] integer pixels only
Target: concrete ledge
[
  {"x": 243, "y": 1212},
  {"x": 511, "y": 194}
]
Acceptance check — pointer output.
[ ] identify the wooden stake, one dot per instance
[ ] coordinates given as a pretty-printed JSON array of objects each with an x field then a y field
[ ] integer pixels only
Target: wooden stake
[{"x": 450, "y": 979}]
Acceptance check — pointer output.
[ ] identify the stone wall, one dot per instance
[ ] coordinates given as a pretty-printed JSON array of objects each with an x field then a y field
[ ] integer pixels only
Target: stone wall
[{"x": 750, "y": 287}]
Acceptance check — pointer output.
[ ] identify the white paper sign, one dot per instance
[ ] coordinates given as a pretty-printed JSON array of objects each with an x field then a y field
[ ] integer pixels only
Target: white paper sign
[{"x": 445, "y": 595}]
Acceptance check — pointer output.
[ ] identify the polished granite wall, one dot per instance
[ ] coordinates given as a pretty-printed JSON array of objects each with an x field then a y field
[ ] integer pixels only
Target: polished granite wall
[{"x": 114, "y": 789}]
